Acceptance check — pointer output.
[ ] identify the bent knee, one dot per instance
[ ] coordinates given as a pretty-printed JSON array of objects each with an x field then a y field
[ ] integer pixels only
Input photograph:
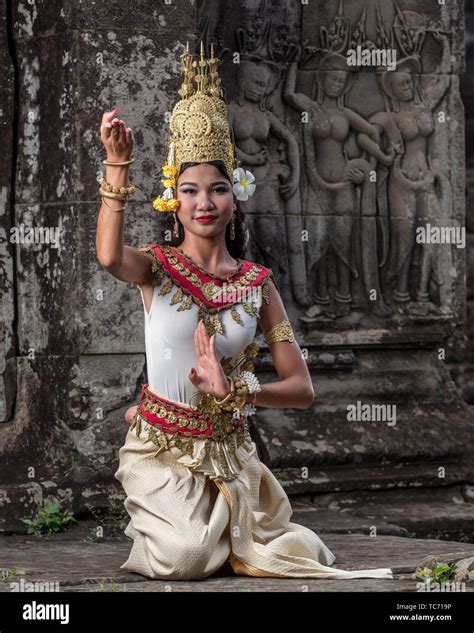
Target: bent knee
[
  {"x": 130, "y": 413},
  {"x": 191, "y": 560},
  {"x": 184, "y": 561}
]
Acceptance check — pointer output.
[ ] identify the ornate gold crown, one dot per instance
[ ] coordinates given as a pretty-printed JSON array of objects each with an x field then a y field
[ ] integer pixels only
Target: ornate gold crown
[{"x": 199, "y": 129}]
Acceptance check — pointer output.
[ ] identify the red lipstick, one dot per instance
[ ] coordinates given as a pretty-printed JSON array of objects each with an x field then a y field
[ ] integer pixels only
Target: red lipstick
[{"x": 206, "y": 219}]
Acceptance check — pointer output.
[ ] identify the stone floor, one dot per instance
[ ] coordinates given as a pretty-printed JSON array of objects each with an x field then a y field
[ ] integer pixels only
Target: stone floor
[{"x": 79, "y": 564}]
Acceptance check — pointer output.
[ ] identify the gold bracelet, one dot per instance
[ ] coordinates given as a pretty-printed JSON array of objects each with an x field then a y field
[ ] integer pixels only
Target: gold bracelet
[
  {"x": 234, "y": 400},
  {"x": 113, "y": 208},
  {"x": 242, "y": 390},
  {"x": 232, "y": 387},
  {"x": 280, "y": 332},
  {"x": 126, "y": 191},
  {"x": 239, "y": 395},
  {"x": 115, "y": 196},
  {"x": 125, "y": 162}
]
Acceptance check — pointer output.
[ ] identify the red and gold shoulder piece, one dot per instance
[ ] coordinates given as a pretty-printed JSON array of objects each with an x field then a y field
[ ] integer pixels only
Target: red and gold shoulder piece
[
  {"x": 156, "y": 264},
  {"x": 209, "y": 292}
]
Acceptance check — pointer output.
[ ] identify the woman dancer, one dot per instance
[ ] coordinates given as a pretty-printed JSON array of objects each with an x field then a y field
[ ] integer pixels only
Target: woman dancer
[{"x": 196, "y": 491}]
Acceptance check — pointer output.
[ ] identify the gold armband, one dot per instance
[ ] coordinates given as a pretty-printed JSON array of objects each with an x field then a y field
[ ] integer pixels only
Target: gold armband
[{"x": 280, "y": 332}]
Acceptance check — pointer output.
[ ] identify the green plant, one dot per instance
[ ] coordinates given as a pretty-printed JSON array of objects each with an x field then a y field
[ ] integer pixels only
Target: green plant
[
  {"x": 442, "y": 573},
  {"x": 7, "y": 573},
  {"x": 113, "y": 586},
  {"x": 92, "y": 538},
  {"x": 48, "y": 519}
]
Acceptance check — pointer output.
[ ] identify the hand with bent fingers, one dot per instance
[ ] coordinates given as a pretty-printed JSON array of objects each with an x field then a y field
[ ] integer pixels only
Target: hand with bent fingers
[
  {"x": 355, "y": 175},
  {"x": 210, "y": 377},
  {"x": 118, "y": 139}
]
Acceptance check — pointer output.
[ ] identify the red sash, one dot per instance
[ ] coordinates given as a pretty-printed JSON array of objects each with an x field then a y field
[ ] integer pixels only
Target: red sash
[{"x": 175, "y": 418}]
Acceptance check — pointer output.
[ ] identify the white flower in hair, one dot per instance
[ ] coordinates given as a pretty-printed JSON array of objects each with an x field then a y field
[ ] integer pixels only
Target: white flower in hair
[
  {"x": 243, "y": 187},
  {"x": 168, "y": 194}
]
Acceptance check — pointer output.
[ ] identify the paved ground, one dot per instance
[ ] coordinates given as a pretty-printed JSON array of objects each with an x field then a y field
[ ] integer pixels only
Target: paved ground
[{"x": 78, "y": 564}]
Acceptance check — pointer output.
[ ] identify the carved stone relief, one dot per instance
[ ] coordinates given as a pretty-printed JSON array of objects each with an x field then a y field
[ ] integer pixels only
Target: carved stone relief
[{"x": 351, "y": 200}]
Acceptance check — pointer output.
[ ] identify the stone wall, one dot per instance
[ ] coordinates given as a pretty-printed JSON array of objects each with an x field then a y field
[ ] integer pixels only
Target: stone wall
[
  {"x": 375, "y": 155},
  {"x": 72, "y": 356},
  {"x": 7, "y": 166},
  {"x": 72, "y": 339},
  {"x": 461, "y": 361}
]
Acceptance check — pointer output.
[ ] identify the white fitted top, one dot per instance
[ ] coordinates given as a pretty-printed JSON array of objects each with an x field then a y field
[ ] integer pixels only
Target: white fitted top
[
  {"x": 169, "y": 345},
  {"x": 169, "y": 333}
]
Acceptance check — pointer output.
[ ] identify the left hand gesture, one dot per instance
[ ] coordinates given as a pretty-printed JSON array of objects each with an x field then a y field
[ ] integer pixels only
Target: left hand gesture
[{"x": 210, "y": 377}]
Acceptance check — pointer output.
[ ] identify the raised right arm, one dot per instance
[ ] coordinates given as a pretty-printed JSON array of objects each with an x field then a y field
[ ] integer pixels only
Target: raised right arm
[{"x": 123, "y": 262}]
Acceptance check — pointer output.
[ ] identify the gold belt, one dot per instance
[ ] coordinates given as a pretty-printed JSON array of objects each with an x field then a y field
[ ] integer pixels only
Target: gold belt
[
  {"x": 185, "y": 421},
  {"x": 170, "y": 424}
]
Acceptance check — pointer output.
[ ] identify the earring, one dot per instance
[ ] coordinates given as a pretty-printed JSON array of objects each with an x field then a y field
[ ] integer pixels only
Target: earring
[
  {"x": 175, "y": 225},
  {"x": 232, "y": 227}
]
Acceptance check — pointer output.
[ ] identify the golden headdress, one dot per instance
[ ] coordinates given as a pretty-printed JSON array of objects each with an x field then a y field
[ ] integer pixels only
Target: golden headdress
[{"x": 199, "y": 130}]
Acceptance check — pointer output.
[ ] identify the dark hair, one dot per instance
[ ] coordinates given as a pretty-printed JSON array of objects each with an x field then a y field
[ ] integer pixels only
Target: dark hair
[{"x": 237, "y": 246}]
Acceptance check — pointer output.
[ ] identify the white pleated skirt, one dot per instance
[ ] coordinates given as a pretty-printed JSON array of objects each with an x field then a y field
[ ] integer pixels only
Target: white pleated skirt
[{"x": 188, "y": 517}]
